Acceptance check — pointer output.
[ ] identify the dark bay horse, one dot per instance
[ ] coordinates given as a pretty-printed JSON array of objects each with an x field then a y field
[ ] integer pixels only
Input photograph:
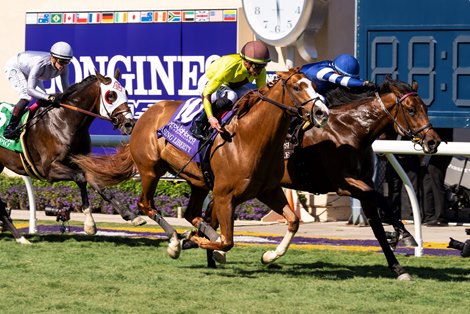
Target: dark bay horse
[
  {"x": 339, "y": 157},
  {"x": 246, "y": 160},
  {"x": 54, "y": 135}
]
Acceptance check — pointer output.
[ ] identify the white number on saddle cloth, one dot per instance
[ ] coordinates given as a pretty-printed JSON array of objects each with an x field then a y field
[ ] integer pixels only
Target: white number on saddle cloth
[
  {"x": 107, "y": 108},
  {"x": 190, "y": 110}
]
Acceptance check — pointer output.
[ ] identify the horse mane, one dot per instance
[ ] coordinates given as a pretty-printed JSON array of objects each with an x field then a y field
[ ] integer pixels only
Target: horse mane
[
  {"x": 246, "y": 101},
  {"x": 78, "y": 86},
  {"x": 343, "y": 95}
]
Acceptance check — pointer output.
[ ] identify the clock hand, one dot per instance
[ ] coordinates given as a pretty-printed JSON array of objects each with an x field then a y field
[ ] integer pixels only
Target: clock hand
[{"x": 278, "y": 12}]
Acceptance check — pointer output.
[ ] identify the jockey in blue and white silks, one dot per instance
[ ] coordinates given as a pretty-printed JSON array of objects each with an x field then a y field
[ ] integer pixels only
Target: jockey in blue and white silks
[{"x": 327, "y": 75}]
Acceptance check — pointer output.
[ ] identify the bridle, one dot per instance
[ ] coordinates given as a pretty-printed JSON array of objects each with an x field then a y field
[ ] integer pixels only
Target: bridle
[
  {"x": 412, "y": 134},
  {"x": 298, "y": 108}
]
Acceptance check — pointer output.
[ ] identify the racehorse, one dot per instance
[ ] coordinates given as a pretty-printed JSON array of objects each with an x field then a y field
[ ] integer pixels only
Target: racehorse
[
  {"x": 339, "y": 157},
  {"x": 246, "y": 161},
  {"x": 54, "y": 135}
]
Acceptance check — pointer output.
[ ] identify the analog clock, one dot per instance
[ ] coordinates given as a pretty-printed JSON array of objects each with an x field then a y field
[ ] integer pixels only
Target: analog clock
[{"x": 278, "y": 22}]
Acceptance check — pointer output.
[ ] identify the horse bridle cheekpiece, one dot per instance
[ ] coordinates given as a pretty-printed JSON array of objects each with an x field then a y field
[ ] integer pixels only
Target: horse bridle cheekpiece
[
  {"x": 112, "y": 96},
  {"x": 412, "y": 134}
]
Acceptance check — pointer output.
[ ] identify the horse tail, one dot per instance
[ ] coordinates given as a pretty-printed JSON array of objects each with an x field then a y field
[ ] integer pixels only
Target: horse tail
[{"x": 107, "y": 170}]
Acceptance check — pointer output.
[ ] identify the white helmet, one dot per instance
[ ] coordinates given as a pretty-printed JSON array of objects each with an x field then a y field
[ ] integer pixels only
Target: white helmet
[{"x": 62, "y": 50}]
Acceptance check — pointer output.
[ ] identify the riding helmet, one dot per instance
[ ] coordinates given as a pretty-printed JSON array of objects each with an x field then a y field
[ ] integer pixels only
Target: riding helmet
[
  {"x": 346, "y": 65},
  {"x": 255, "y": 51},
  {"x": 62, "y": 50}
]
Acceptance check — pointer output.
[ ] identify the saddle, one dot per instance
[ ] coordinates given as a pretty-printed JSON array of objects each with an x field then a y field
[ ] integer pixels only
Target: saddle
[
  {"x": 177, "y": 132},
  {"x": 18, "y": 145}
]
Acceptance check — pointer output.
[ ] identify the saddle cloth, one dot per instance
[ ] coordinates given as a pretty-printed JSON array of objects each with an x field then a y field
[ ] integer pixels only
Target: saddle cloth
[
  {"x": 177, "y": 130},
  {"x": 5, "y": 114}
]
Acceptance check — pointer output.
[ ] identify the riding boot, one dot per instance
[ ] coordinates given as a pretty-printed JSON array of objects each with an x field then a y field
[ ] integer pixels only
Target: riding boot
[
  {"x": 11, "y": 131},
  {"x": 199, "y": 127}
]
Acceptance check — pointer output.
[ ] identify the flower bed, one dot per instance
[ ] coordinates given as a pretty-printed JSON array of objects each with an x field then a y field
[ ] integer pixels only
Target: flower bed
[{"x": 170, "y": 195}]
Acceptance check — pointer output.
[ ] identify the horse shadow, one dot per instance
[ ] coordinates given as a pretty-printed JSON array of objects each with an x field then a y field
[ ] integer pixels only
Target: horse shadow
[
  {"x": 116, "y": 240},
  {"x": 337, "y": 271}
]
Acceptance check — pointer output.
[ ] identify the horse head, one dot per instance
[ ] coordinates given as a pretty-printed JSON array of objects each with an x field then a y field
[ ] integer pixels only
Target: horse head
[
  {"x": 409, "y": 114},
  {"x": 113, "y": 103},
  {"x": 310, "y": 105}
]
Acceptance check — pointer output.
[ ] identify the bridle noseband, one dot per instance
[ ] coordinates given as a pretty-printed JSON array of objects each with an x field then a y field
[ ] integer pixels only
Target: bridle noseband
[{"x": 412, "y": 134}]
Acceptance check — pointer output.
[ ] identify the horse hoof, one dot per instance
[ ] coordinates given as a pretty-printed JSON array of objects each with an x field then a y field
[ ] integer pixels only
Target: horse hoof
[
  {"x": 404, "y": 277},
  {"x": 409, "y": 241},
  {"x": 89, "y": 229},
  {"x": 219, "y": 256},
  {"x": 174, "y": 249},
  {"x": 138, "y": 221},
  {"x": 23, "y": 240},
  {"x": 269, "y": 257}
]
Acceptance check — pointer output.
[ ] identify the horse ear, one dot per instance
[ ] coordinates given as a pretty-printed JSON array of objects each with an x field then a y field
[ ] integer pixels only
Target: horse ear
[
  {"x": 117, "y": 74},
  {"x": 414, "y": 86},
  {"x": 103, "y": 79}
]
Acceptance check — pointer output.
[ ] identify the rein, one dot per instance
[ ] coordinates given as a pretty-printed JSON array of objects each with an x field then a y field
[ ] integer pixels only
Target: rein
[
  {"x": 296, "y": 110},
  {"x": 413, "y": 134},
  {"x": 85, "y": 112}
]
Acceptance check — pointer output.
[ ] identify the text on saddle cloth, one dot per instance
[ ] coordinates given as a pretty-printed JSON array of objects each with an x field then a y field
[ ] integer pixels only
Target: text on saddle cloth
[
  {"x": 177, "y": 131},
  {"x": 5, "y": 114}
]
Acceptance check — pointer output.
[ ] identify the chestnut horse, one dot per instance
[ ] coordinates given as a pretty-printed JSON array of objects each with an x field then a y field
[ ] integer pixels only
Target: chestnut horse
[
  {"x": 339, "y": 157},
  {"x": 54, "y": 135},
  {"x": 246, "y": 160}
]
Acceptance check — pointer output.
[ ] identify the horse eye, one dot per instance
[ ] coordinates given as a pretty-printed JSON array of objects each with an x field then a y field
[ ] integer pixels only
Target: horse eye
[
  {"x": 110, "y": 97},
  {"x": 411, "y": 111},
  {"x": 296, "y": 87}
]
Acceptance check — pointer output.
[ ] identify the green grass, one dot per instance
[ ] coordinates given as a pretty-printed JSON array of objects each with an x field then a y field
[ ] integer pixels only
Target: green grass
[{"x": 82, "y": 274}]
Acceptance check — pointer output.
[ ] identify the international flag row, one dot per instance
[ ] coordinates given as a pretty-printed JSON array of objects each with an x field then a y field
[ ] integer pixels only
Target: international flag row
[{"x": 227, "y": 15}]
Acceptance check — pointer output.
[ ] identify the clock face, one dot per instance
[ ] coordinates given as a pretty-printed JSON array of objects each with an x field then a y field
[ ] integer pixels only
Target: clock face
[{"x": 278, "y": 22}]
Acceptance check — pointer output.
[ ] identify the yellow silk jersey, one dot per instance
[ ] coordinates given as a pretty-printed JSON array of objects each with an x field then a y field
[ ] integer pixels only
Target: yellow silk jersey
[{"x": 228, "y": 70}]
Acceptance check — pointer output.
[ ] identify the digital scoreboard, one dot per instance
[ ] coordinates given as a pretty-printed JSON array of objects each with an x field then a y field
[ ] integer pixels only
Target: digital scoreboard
[{"x": 423, "y": 40}]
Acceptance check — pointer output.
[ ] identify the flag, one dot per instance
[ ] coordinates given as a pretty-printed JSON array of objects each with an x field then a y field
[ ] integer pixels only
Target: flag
[
  {"x": 94, "y": 18},
  {"x": 230, "y": 15},
  {"x": 160, "y": 16},
  {"x": 174, "y": 16},
  {"x": 133, "y": 17},
  {"x": 43, "y": 18},
  {"x": 69, "y": 18},
  {"x": 107, "y": 17},
  {"x": 56, "y": 18},
  {"x": 189, "y": 16},
  {"x": 146, "y": 17},
  {"x": 202, "y": 16},
  {"x": 215, "y": 16},
  {"x": 120, "y": 17},
  {"x": 31, "y": 18},
  {"x": 82, "y": 18}
]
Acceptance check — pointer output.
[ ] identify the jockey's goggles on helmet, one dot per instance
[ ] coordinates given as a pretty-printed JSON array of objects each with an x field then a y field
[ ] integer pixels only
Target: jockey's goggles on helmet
[
  {"x": 63, "y": 61},
  {"x": 257, "y": 66}
]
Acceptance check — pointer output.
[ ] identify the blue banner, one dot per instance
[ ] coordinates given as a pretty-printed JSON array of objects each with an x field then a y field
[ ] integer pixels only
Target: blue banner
[{"x": 161, "y": 55}]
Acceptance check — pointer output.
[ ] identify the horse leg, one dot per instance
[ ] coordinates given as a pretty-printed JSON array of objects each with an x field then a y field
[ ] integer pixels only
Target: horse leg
[
  {"x": 89, "y": 226},
  {"x": 193, "y": 214},
  {"x": 124, "y": 212},
  {"x": 277, "y": 201},
  {"x": 6, "y": 220},
  {"x": 146, "y": 204},
  {"x": 404, "y": 235},
  {"x": 374, "y": 221}
]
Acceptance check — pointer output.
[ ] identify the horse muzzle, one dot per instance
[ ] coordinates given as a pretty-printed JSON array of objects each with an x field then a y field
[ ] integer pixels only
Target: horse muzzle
[{"x": 319, "y": 113}]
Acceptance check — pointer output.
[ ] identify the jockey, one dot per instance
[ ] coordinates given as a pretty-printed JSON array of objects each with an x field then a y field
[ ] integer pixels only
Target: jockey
[
  {"x": 26, "y": 72},
  {"x": 343, "y": 70},
  {"x": 227, "y": 74}
]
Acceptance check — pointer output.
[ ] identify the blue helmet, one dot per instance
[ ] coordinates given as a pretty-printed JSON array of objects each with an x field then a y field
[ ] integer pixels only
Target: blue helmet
[{"x": 346, "y": 65}]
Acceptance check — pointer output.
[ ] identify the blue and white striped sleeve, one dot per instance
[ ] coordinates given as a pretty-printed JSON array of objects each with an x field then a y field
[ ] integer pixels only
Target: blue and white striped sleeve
[{"x": 328, "y": 74}]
